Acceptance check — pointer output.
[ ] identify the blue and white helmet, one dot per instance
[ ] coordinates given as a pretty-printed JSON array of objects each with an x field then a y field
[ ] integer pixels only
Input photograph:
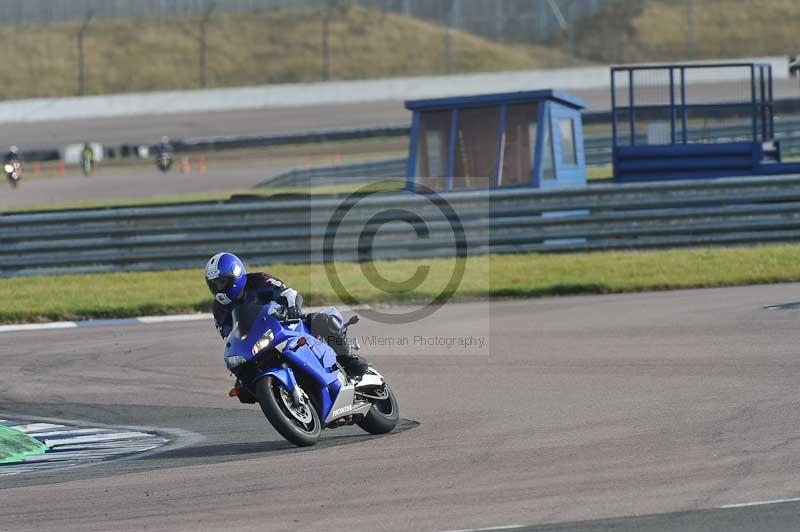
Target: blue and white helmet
[{"x": 225, "y": 277}]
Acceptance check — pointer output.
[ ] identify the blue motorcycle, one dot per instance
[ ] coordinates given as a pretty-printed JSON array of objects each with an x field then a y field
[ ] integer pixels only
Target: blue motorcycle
[{"x": 295, "y": 378}]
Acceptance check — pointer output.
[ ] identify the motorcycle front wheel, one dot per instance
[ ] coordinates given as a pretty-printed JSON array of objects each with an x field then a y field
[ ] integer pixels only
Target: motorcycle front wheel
[{"x": 297, "y": 423}]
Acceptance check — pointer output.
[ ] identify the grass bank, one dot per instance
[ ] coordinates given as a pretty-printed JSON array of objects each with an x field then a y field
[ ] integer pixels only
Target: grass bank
[
  {"x": 657, "y": 30},
  {"x": 202, "y": 197},
  {"x": 285, "y": 46},
  {"x": 531, "y": 275},
  {"x": 262, "y": 47}
]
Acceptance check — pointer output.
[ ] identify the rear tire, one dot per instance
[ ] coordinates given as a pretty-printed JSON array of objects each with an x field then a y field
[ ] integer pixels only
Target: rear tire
[
  {"x": 382, "y": 416},
  {"x": 269, "y": 392}
]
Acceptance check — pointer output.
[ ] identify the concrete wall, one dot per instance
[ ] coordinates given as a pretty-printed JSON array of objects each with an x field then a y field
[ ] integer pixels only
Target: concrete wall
[{"x": 309, "y": 94}]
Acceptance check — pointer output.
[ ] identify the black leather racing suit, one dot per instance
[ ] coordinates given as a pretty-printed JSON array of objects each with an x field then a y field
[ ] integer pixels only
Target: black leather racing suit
[{"x": 261, "y": 288}]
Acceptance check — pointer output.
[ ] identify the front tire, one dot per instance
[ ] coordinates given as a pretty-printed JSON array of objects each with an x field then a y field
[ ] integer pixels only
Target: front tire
[
  {"x": 383, "y": 415},
  {"x": 300, "y": 425}
]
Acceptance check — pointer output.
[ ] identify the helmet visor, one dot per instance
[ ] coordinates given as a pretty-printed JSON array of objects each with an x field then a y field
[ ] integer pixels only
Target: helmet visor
[{"x": 221, "y": 284}]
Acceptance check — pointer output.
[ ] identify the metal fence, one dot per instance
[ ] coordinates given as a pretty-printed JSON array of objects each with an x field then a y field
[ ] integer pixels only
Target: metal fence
[
  {"x": 722, "y": 212},
  {"x": 518, "y": 20}
]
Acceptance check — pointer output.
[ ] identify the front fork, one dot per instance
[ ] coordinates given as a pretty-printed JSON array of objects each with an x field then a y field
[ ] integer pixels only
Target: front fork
[{"x": 286, "y": 376}]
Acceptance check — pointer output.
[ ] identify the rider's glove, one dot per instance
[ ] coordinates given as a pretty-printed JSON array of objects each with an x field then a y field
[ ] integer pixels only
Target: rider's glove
[{"x": 294, "y": 313}]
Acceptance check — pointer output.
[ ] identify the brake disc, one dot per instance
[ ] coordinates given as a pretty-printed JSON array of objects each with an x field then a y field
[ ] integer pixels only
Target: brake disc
[{"x": 301, "y": 412}]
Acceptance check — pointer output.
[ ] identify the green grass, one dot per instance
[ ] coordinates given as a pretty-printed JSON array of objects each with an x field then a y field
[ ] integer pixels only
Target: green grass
[
  {"x": 322, "y": 190},
  {"x": 285, "y": 46},
  {"x": 599, "y": 172},
  {"x": 592, "y": 173},
  {"x": 532, "y": 275},
  {"x": 263, "y": 47},
  {"x": 656, "y": 30}
]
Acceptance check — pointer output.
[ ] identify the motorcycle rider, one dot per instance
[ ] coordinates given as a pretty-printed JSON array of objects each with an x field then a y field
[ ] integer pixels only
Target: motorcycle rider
[
  {"x": 87, "y": 155},
  {"x": 230, "y": 285},
  {"x": 13, "y": 155},
  {"x": 13, "y": 158},
  {"x": 165, "y": 154},
  {"x": 165, "y": 147}
]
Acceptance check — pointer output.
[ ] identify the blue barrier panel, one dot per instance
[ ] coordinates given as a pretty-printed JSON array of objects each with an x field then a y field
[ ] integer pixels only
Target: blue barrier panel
[{"x": 666, "y": 124}]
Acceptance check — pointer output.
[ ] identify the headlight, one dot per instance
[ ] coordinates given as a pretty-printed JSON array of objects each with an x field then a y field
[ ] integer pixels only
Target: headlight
[
  {"x": 8, "y": 168},
  {"x": 263, "y": 342},
  {"x": 234, "y": 361}
]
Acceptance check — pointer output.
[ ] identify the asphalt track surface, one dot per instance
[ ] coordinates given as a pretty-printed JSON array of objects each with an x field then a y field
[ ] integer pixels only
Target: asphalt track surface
[
  {"x": 149, "y": 129},
  {"x": 651, "y": 410},
  {"x": 135, "y": 183}
]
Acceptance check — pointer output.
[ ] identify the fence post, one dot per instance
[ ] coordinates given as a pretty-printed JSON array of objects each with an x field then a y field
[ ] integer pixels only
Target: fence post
[
  {"x": 82, "y": 54},
  {"x": 326, "y": 52},
  {"x": 203, "y": 45}
]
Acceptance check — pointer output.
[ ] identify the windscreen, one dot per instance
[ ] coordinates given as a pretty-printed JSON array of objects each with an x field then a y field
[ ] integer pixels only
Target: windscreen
[{"x": 244, "y": 316}]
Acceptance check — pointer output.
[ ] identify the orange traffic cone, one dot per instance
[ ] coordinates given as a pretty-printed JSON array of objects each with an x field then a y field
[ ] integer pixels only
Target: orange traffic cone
[
  {"x": 36, "y": 169},
  {"x": 201, "y": 165},
  {"x": 185, "y": 166},
  {"x": 60, "y": 167}
]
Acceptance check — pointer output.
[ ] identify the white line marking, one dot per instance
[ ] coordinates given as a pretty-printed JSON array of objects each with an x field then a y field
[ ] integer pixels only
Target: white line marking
[
  {"x": 35, "y": 427},
  {"x": 74, "y": 446},
  {"x": 144, "y": 320},
  {"x": 759, "y": 503},
  {"x": 38, "y": 326},
  {"x": 489, "y": 529},
  {"x": 68, "y": 432},
  {"x": 175, "y": 318},
  {"x": 96, "y": 438}
]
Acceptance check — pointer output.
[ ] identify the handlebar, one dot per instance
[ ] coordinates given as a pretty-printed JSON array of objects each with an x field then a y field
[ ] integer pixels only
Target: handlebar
[{"x": 283, "y": 316}]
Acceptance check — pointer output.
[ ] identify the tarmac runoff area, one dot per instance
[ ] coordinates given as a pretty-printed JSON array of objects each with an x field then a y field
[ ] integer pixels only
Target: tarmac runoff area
[{"x": 650, "y": 412}]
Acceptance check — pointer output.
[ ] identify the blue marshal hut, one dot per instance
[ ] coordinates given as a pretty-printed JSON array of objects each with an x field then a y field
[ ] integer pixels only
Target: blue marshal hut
[{"x": 519, "y": 139}]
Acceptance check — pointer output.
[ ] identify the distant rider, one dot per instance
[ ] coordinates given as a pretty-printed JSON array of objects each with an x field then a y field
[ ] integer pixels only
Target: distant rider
[
  {"x": 230, "y": 284},
  {"x": 165, "y": 147},
  {"x": 87, "y": 155},
  {"x": 13, "y": 155}
]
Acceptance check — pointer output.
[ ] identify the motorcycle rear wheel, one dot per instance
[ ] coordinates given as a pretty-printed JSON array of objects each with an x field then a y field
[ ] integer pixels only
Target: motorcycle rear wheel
[
  {"x": 383, "y": 415},
  {"x": 271, "y": 396}
]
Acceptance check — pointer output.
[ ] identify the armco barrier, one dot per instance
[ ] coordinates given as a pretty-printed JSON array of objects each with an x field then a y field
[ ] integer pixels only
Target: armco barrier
[
  {"x": 230, "y": 142},
  {"x": 638, "y": 216},
  {"x": 342, "y": 174}
]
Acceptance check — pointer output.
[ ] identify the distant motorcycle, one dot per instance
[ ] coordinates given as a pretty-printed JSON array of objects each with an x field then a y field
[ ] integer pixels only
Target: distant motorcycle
[
  {"x": 87, "y": 165},
  {"x": 164, "y": 161},
  {"x": 13, "y": 170}
]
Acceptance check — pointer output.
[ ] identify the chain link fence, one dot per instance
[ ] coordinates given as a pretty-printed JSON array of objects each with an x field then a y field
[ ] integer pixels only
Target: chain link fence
[{"x": 506, "y": 20}]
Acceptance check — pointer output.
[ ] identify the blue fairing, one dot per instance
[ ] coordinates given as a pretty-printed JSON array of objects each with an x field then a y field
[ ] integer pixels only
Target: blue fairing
[
  {"x": 315, "y": 359},
  {"x": 284, "y": 375}
]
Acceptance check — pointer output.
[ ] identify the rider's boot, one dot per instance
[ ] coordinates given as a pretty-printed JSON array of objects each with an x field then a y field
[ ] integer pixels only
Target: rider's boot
[{"x": 353, "y": 365}]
